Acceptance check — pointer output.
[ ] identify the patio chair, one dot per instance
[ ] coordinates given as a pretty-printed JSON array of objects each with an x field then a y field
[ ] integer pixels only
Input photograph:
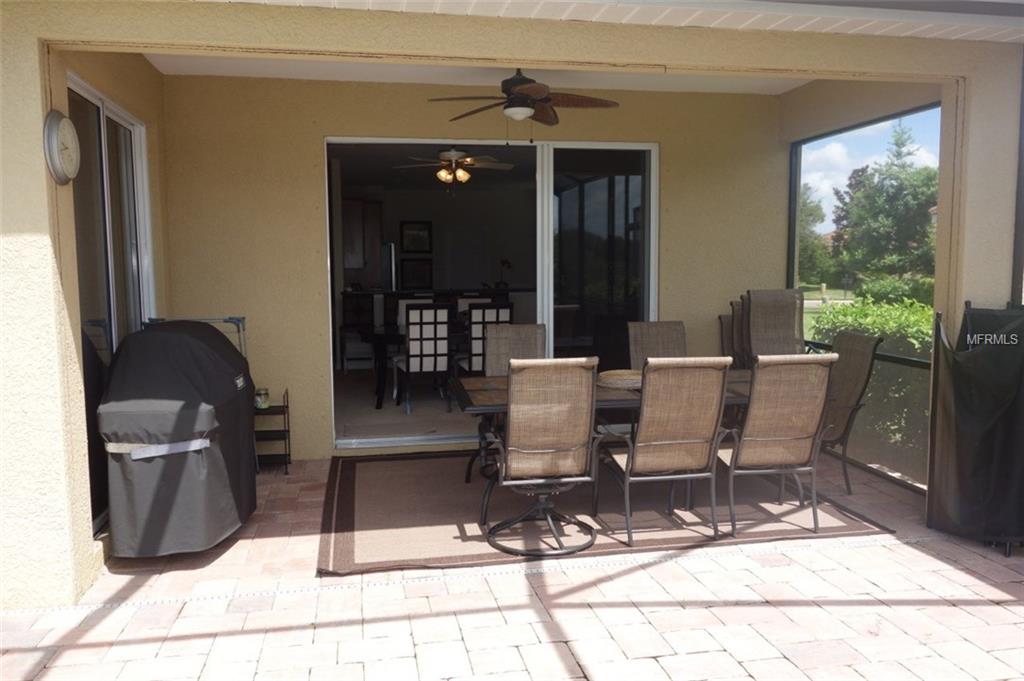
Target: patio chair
[
  {"x": 678, "y": 435},
  {"x": 775, "y": 322},
  {"x": 740, "y": 339},
  {"x": 503, "y": 342},
  {"x": 725, "y": 335},
  {"x": 785, "y": 423},
  {"x": 547, "y": 447},
  {"x": 426, "y": 348},
  {"x": 655, "y": 339},
  {"x": 850, "y": 377}
]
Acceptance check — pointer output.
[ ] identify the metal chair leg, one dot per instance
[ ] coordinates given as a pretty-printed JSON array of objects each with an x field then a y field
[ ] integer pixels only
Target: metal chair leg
[
  {"x": 593, "y": 501},
  {"x": 394, "y": 383},
  {"x": 689, "y": 495},
  {"x": 469, "y": 464},
  {"x": 814, "y": 499},
  {"x": 714, "y": 503},
  {"x": 407, "y": 397},
  {"x": 486, "y": 502},
  {"x": 629, "y": 514},
  {"x": 732, "y": 504},
  {"x": 782, "y": 486},
  {"x": 671, "y": 497},
  {"x": 799, "y": 488},
  {"x": 846, "y": 473}
]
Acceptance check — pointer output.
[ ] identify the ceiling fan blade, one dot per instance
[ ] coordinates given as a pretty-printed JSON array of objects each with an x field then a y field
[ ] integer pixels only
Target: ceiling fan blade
[
  {"x": 477, "y": 110},
  {"x": 532, "y": 90},
  {"x": 435, "y": 164},
  {"x": 580, "y": 101},
  {"x": 544, "y": 113},
  {"x": 461, "y": 99},
  {"x": 488, "y": 165}
]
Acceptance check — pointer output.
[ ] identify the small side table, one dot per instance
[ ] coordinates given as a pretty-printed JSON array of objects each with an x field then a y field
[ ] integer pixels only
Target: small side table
[{"x": 282, "y": 435}]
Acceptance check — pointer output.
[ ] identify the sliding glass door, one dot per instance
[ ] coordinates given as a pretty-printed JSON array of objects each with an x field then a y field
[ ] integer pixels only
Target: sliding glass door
[
  {"x": 110, "y": 252},
  {"x": 600, "y": 252}
]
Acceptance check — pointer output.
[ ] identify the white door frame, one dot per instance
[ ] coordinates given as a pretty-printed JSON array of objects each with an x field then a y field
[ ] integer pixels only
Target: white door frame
[{"x": 545, "y": 230}]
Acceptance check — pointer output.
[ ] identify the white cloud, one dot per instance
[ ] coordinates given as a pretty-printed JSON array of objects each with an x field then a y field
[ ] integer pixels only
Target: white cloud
[{"x": 925, "y": 157}]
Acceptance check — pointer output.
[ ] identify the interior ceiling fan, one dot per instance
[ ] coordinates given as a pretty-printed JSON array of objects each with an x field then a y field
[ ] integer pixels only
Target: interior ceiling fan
[
  {"x": 455, "y": 164},
  {"x": 524, "y": 98}
]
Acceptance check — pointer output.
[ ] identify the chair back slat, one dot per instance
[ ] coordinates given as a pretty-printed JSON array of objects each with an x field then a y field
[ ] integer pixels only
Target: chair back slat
[
  {"x": 850, "y": 377},
  {"x": 550, "y": 417},
  {"x": 427, "y": 334},
  {"x": 776, "y": 321},
  {"x": 503, "y": 342},
  {"x": 786, "y": 409},
  {"x": 681, "y": 407},
  {"x": 480, "y": 316},
  {"x": 655, "y": 339}
]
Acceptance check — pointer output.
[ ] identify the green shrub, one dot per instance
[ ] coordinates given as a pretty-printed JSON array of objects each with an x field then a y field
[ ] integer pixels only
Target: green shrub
[
  {"x": 906, "y": 326},
  {"x": 897, "y": 396},
  {"x": 887, "y": 288}
]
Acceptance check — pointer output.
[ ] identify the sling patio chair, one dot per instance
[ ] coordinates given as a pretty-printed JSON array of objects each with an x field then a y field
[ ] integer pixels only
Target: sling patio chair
[
  {"x": 655, "y": 339},
  {"x": 740, "y": 331},
  {"x": 547, "y": 447},
  {"x": 850, "y": 377},
  {"x": 503, "y": 342},
  {"x": 775, "y": 321},
  {"x": 785, "y": 424},
  {"x": 678, "y": 434}
]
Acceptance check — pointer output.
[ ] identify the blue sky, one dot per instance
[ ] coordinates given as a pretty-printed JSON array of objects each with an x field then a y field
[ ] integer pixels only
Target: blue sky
[{"x": 828, "y": 162}]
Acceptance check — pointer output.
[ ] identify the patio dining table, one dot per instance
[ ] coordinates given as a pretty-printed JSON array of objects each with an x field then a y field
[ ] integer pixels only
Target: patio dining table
[{"x": 482, "y": 395}]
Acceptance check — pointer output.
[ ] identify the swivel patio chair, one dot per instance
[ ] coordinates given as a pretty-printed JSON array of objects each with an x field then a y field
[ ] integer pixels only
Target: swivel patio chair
[
  {"x": 547, "y": 447},
  {"x": 678, "y": 435},
  {"x": 655, "y": 339},
  {"x": 850, "y": 377},
  {"x": 785, "y": 423},
  {"x": 503, "y": 342}
]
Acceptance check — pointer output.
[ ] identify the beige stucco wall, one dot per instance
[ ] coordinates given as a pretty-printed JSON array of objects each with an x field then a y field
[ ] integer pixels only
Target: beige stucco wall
[
  {"x": 41, "y": 431},
  {"x": 247, "y": 225},
  {"x": 824, "y": 106}
]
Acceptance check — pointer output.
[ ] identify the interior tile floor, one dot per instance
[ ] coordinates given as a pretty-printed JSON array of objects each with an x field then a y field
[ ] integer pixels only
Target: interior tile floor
[
  {"x": 355, "y": 415},
  {"x": 916, "y": 604}
]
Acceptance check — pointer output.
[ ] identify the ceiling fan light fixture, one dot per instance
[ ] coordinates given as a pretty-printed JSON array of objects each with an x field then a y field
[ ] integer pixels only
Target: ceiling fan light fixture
[
  {"x": 445, "y": 175},
  {"x": 462, "y": 175},
  {"x": 518, "y": 112}
]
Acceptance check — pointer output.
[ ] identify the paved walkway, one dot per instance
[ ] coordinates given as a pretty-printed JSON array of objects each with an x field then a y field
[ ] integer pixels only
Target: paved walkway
[{"x": 914, "y": 605}]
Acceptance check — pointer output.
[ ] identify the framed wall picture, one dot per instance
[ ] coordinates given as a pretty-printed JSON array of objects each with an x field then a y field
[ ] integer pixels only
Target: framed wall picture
[
  {"x": 417, "y": 274},
  {"x": 416, "y": 236}
]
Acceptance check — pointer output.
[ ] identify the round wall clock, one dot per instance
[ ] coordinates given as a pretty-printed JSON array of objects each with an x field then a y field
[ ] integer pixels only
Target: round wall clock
[{"x": 63, "y": 154}]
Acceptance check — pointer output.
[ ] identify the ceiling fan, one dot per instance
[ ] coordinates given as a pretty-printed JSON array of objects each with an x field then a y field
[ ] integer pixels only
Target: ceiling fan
[
  {"x": 454, "y": 165},
  {"x": 524, "y": 98}
]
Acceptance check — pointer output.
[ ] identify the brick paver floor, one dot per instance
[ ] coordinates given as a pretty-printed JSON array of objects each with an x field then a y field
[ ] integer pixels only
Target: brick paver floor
[{"x": 916, "y": 604}]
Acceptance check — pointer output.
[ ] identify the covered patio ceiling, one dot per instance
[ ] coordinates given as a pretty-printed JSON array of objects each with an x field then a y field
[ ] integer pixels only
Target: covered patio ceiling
[{"x": 988, "y": 20}]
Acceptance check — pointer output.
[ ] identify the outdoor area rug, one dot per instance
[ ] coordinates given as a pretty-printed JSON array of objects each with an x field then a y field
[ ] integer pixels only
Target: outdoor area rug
[{"x": 415, "y": 511}]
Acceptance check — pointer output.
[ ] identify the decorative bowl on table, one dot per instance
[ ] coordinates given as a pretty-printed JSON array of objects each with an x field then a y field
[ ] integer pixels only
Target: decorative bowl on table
[{"x": 621, "y": 379}]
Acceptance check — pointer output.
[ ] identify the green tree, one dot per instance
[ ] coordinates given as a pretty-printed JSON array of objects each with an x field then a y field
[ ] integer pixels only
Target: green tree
[
  {"x": 882, "y": 216},
  {"x": 814, "y": 264}
]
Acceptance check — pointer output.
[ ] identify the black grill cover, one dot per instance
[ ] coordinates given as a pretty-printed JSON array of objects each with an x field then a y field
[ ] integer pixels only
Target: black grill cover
[
  {"x": 174, "y": 382},
  {"x": 976, "y": 467}
]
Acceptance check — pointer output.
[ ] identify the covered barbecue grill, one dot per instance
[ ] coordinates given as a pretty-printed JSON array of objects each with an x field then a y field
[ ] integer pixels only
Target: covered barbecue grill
[{"x": 177, "y": 419}]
